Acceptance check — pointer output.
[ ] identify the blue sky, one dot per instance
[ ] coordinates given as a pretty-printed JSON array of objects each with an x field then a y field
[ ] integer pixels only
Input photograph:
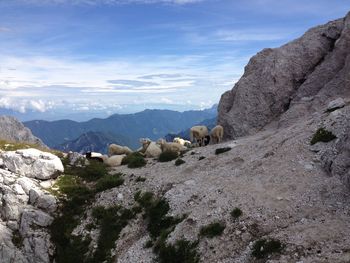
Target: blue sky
[{"x": 71, "y": 57}]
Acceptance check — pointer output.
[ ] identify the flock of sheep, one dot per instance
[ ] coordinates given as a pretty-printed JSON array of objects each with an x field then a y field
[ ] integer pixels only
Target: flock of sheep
[{"x": 199, "y": 136}]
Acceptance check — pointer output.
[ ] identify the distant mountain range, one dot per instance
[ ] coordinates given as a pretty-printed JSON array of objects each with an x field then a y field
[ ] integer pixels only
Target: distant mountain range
[{"x": 124, "y": 129}]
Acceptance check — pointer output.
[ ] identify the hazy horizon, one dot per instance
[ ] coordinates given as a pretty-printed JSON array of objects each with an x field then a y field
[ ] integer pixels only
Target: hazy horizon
[{"x": 82, "y": 59}]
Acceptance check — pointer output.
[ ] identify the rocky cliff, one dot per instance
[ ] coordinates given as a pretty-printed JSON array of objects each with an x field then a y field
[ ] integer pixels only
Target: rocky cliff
[
  {"x": 13, "y": 130},
  {"x": 285, "y": 83}
]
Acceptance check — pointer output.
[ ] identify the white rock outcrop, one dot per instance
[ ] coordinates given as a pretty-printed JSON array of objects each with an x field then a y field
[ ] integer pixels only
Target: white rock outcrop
[
  {"x": 32, "y": 163},
  {"x": 26, "y": 210}
]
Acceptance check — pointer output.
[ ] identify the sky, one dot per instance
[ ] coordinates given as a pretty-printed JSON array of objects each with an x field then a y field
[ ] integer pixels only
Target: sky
[{"x": 80, "y": 59}]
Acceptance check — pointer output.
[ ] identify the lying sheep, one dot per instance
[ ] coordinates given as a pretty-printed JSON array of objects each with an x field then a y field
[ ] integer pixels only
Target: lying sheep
[
  {"x": 199, "y": 134},
  {"x": 171, "y": 146},
  {"x": 145, "y": 142},
  {"x": 115, "y": 160},
  {"x": 153, "y": 150},
  {"x": 115, "y": 149},
  {"x": 182, "y": 141},
  {"x": 217, "y": 133}
]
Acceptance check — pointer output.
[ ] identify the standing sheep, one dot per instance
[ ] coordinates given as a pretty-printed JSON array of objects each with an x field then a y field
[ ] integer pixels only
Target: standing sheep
[
  {"x": 199, "y": 134},
  {"x": 217, "y": 133},
  {"x": 115, "y": 149}
]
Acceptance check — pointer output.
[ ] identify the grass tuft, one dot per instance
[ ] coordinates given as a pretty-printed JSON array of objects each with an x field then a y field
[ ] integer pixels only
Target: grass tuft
[
  {"x": 263, "y": 248},
  {"x": 212, "y": 230},
  {"x": 236, "y": 213},
  {"x": 322, "y": 135},
  {"x": 134, "y": 160},
  {"x": 109, "y": 181},
  {"x": 167, "y": 156},
  {"x": 179, "y": 162}
]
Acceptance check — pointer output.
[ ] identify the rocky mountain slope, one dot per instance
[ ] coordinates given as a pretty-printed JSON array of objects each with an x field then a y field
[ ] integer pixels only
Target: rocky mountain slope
[
  {"x": 13, "y": 130},
  {"x": 285, "y": 83},
  {"x": 278, "y": 194},
  {"x": 153, "y": 124}
]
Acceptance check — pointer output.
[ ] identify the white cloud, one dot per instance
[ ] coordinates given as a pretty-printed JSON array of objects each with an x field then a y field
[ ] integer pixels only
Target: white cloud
[
  {"x": 246, "y": 35},
  {"x": 23, "y": 105}
]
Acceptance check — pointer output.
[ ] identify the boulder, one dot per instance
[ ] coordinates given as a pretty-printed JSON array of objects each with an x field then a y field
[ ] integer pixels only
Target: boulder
[
  {"x": 335, "y": 104},
  {"x": 32, "y": 163},
  {"x": 276, "y": 81}
]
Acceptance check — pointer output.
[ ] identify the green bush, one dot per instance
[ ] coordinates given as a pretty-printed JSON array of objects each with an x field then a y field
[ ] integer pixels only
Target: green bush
[
  {"x": 322, "y": 135},
  {"x": 108, "y": 182},
  {"x": 134, "y": 160},
  {"x": 263, "y": 247},
  {"x": 167, "y": 156},
  {"x": 236, "y": 212},
  {"x": 179, "y": 162},
  {"x": 212, "y": 230},
  {"x": 182, "y": 251},
  {"x": 222, "y": 150}
]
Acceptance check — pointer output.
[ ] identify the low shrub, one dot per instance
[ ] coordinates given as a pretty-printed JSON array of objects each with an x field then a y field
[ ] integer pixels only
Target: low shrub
[
  {"x": 182, "y": 251},
  {"x": 109, "y": 181},
  {"x": 134, "y": 160},
  {"x": 111, "y": 222},
  {"x": 236, "y": 213},
  {"x": 263, "y": 248},
  {"x": 179, "y": 162},
  {"x": 322, "y": 135},
  {"x": 212, "y": 230},
  {"x": 222, "y": 150},
  {"x": 167, "y": 156}
]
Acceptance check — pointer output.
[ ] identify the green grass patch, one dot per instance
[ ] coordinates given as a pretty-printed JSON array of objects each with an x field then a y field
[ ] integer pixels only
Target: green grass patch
[
  {"x": 322, "y": 135},
  {"x": 222, "y": 150},
  {"x": 167, "y": 156},
  {"x": 263, "y": 248},
  {"x": 236, "y": 213},
  {"x": 179, "y": 162},
  {"x": 212, "y": 230},
  {"x": 134, "y": 160},
  {"x": 109, "y": 181},
  {"x": 92, "y": 172}
]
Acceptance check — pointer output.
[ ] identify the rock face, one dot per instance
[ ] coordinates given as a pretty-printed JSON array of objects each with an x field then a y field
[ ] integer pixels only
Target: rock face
[
  {"x": 13, "y": 130},
  {"x": 25, "y": 214},
  {"x": 285, "y": 83},
  {"x": 32, "y": 163}
]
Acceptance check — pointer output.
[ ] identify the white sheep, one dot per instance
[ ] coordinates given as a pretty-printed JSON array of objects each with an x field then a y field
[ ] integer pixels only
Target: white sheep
[
  {"x": 153, "y": 150},
  {"x": 200, "y": 135},
  {"x": 182, "y": 141},
  {"x": 171, "y": 146},
  {"x": 115, "y": 149},
  {"x": 217, "y": 133},
  {"x": 115, "y": 160}
]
